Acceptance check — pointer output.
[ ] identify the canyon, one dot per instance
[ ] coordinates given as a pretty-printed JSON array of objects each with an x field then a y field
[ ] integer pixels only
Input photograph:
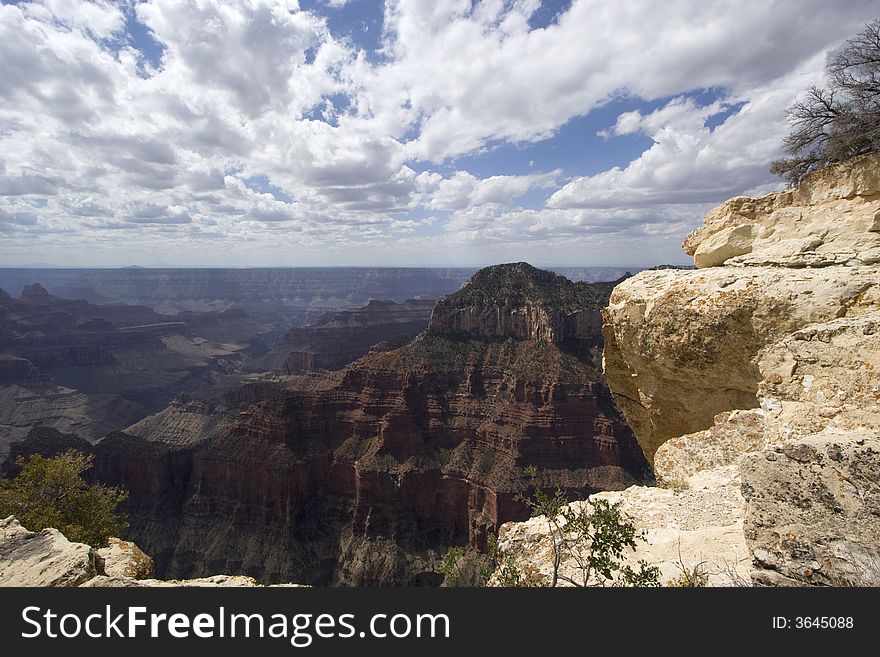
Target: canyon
[
  {"x": 92, "y": 369},
  {"x": 340, "y": 337},
  {"x": 367, "y": 475}
]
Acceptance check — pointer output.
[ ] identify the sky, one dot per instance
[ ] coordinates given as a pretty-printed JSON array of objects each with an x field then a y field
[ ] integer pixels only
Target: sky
[{"x": 398, "y": 133}]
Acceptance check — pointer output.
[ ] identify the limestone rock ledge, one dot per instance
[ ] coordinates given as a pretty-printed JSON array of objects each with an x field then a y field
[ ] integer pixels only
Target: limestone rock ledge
[
  {"x": 43, "y": 558},
  {"x": 764, "y": 364},
  {"x": 700, "y": 524},
  {"x": 47, "y": 558},
  {"x": 831, "y": 218},
  {"x": 683, "y": 346}
]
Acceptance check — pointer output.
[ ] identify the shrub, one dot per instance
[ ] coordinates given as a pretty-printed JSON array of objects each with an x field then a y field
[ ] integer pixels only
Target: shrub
[
  {"x": 51, "y": 492},
  {"x": 594, "y": 537},
  {"x": 461, "y": 567}
]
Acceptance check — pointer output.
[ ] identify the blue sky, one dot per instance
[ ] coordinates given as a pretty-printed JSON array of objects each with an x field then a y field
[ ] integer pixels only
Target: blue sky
[{"x": 362, "y": 132}]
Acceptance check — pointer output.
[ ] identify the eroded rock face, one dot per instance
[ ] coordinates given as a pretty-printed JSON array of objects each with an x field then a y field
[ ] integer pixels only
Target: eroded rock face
[
  {"x": 43, "y": 558},
  {"x": 683, "y": 346},
  {"x": 812, "y": 492},
  {"x": 732, "y": 435},
  {"x": 823, "y": 376},
  {"x": 781, "y": 322},
  {"x": 814, "y": 510},
  {"x": 829, "y": 219}
]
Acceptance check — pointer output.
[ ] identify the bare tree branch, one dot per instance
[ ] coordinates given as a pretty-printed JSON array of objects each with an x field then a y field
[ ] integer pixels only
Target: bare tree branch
[{"x": 834, "y": 124}]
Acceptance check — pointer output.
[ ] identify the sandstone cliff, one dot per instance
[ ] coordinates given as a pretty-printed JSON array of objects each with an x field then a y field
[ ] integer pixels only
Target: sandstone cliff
[{"x": 761, "y": 365}]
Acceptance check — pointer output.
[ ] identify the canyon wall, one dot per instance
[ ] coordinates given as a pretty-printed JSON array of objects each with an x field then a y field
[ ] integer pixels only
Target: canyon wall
[{"x": 340, "y": 337}]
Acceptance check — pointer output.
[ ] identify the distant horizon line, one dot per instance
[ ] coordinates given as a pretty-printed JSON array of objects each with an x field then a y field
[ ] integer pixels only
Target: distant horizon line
[{"x": 136, "y": 267}]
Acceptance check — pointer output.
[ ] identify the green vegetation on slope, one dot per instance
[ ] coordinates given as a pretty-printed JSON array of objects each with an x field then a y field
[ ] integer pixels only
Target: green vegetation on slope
[
  {"x": 520, "y": 283},
  {"x": 51, "y": 492}
]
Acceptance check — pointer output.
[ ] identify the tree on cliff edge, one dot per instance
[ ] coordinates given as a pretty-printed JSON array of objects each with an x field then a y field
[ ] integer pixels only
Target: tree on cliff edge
[
  {"x": 834, "y": 123},
  {"x": 51, "y": 492}
]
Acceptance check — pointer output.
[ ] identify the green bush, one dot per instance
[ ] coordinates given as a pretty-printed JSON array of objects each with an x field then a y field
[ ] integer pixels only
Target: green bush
[
  {"x": 51, "y": 492},
  {"x": 593, "y": 538}
]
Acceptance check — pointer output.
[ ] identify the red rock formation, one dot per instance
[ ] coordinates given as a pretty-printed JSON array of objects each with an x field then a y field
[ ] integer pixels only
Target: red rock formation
[
  {"x": 338, "y": 338},
  {"x": 367, "y": 476}
]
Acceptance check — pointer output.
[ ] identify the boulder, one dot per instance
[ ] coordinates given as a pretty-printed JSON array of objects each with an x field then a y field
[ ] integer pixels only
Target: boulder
[
  {"x": 43, "y": 558},
  {"x": 725, "y": 244},
  {"x": 125, "y": 559}
]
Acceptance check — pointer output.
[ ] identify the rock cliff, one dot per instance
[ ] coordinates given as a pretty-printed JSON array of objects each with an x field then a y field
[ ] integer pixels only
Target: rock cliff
[
  {"x": 781, "y": 317},
  {"x": 683, "y": 346},
  {"x": 760, "y": 366},
  {"x": 522, "y": 302}
]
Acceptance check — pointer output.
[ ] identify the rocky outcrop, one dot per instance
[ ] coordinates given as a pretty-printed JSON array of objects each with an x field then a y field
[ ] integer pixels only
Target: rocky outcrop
[
  {"x": 43, "y": 558},
  {"x": 47, "y": 558},
  {"x": 832, "y": 218},
  {"x": 521, "y": 302},
  {"x": 698, "y": 525},
  {"x": 721, "y": 445},
  {"x": 780, "y": 322},
  {"x": 683, "y": 346},
  {"x": 124, "y": 559}
]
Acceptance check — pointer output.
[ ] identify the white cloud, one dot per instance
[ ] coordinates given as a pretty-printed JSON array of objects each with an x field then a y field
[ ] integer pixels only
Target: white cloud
[
  {"x": 97, "y": 17},
  {"x": 98, "y": 141},
  {"x": 463, "y": 189},
  {"x": 468, "y": 77},
  {"x": 690, "y": 162}
]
